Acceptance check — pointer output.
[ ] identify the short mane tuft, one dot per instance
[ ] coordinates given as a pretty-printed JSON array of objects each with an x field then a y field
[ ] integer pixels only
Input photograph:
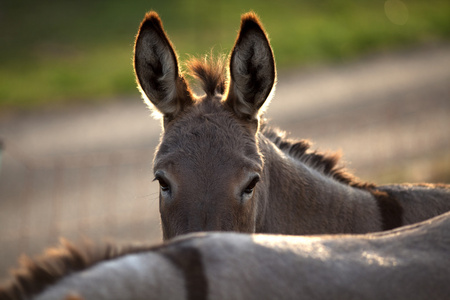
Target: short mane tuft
[
  {"x": 210, "y": 71},
  {"x": 34, "y": 275},
  {"x": 322, "y": 162}
]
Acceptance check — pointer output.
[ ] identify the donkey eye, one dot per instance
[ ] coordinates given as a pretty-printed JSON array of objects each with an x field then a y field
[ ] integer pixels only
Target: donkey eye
[
  {"x": 165, "y": 187},
  {"x": 251, "y": 185}
]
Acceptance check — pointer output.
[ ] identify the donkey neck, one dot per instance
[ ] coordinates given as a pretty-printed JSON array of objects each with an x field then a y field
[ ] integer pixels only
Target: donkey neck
[{"x": 304, "y": 198}]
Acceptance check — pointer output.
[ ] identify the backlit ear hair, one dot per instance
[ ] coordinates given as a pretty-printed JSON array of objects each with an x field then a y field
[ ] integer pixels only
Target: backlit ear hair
[
  {"x": 156, "y": 68},
  {"x": 252, "y": 69}
]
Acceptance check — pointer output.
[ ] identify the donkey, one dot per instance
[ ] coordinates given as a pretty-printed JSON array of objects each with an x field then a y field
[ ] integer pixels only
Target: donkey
[
  {"x": 410, "y": 262},
  {"x": 222, "y": 168}
]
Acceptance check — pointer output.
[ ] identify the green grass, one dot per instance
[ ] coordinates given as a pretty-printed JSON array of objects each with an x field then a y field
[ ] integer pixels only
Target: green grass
[{"x": 54, "y": 52}]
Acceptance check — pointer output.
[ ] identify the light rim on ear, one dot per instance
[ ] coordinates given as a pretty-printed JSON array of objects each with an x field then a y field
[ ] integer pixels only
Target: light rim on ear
[
  {"x": 156, "y": 68},
  {"x": 250, "y": 106}
]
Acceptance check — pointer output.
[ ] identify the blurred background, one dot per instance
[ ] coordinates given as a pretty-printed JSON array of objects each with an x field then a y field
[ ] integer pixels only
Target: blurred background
[{"x": 370, "y": 79}]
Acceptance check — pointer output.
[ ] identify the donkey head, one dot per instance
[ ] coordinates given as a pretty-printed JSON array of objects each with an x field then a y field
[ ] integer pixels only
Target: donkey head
[{"x": 208, "y": 162}]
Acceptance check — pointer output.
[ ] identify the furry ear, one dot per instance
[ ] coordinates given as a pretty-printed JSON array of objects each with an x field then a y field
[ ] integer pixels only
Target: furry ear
[
  {"x": 156, "y": 69},
  {"x": 252, "y": 69}
]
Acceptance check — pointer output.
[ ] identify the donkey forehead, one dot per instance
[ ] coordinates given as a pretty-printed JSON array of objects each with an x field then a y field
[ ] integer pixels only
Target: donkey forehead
[{"x": 208, "y": 139}]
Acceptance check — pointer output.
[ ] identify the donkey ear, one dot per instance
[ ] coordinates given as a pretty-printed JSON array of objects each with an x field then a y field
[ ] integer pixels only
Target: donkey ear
[
  {"x": 156, "y": 68},
  {"x": 252, "y": 69}
]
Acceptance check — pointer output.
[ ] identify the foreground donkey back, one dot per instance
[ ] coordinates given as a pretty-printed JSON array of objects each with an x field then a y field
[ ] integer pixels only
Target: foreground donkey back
[
  {"x": 407, "y": 263},
  {"x": 220, "y": 168}
]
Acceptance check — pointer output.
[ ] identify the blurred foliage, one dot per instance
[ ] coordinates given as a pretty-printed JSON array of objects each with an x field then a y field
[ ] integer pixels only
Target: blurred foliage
[
  {"x": 54, "y": 52},
  {"x": 427, "y": 168}
]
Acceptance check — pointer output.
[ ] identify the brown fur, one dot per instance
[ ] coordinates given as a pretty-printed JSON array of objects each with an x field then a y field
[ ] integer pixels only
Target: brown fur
[
  {"x": 252, "y": 69},
  {"x": 166, "y": 89},
  {"x": 391, "y": 211},
  {"x": 34, "y": 275},
  {"x": 406, "y": 263},
  {"x": 73, "y": 296},
  {"x": 327, "y": 163},
  {"x": 211, "y": 74},
  {"x": 189, "y": 260},
  {"x": 221, "y": 167}
]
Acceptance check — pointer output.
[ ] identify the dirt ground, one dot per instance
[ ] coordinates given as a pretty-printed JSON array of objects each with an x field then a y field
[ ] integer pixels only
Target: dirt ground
[{"x": 86, "y": 171}]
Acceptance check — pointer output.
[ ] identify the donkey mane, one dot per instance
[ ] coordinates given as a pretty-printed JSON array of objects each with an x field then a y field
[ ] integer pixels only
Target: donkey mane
[
  {"x": 326, "y": 163},
  {"x": 34, "y": 275},
  {"x": 210, "y": 71}
]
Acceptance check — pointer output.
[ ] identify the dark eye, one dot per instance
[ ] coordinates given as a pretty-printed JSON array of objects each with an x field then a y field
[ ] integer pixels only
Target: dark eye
[
  {"x": 251, "y": 185},
  {"x": 165, "y": 187}
]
